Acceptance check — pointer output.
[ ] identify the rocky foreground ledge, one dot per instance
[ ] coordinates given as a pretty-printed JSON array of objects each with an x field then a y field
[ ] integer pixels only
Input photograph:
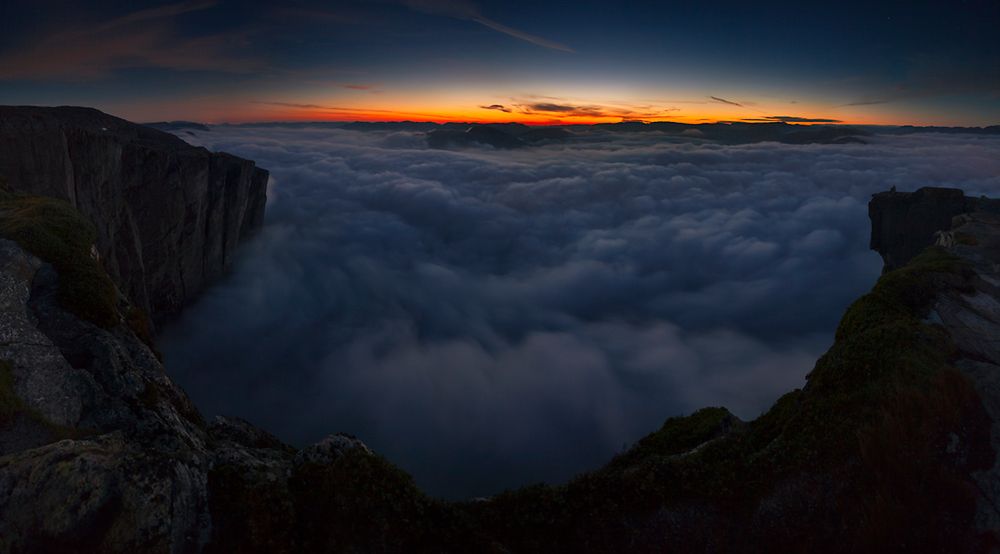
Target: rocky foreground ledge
[{"x": 890, "y": 446}]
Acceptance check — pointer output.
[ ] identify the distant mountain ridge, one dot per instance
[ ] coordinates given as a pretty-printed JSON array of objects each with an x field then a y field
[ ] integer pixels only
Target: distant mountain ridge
[
  {"x": 177, "y": 125},
  {"x": 506, "y": 136}
]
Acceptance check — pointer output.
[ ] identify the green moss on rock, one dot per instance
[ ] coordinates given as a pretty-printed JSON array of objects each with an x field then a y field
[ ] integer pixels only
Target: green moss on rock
[
  {"x": 882, "y": 347},
  {"x": 681, "y": 434},
  {"x": 55, "y": 232},
  {"x": 884, "y": 396}
]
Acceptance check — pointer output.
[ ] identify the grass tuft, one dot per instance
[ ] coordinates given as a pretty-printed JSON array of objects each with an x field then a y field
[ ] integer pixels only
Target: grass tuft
[{"x": 55, "y": 232}]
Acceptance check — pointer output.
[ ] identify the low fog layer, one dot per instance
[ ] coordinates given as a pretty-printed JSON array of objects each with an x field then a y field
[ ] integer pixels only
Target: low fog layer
[{"x": 488, "y": 319}]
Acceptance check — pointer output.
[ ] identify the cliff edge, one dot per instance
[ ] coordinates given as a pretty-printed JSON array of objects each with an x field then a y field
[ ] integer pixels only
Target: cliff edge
[
  {"x": 168, "y": 215},
  {"x": 905, "y": 223}
]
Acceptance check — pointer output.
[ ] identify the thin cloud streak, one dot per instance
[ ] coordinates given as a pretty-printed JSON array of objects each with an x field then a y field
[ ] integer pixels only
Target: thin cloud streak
[
  {"x": 461, "y": 9},
  {"x": 293, "y": 105},
  {"x": 558, "y": 108},
  {"x": 865, "y": 103},
  {"x": 566, "y": 109},
  {"x": 790, "y": 119},
  {"x": 724, "y": 101},
  {"x": 141, "y": 39},
  {"x": 533, "y": 39},
  {"x": 934, "y": 76},
  {"x": 162, "y": 12},
  {"x": 344, "y": 112}
]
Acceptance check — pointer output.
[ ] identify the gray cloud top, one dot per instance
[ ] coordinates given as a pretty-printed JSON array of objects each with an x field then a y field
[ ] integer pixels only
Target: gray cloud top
[{"x": 487, "y": 319}]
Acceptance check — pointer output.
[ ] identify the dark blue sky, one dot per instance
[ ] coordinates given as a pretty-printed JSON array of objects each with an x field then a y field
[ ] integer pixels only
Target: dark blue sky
[{"x": 858, "y": 62}]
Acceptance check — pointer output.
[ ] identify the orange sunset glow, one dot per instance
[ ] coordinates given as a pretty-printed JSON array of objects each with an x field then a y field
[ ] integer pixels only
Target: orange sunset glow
[{"x": 554, "y": 110}]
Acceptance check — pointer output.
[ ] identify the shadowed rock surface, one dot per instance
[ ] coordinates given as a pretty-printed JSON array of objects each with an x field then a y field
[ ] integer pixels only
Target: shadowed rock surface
[
  {"x": 98, "y": 450},
  {"x": 168, "y": 215},
  {"x": 972, "y": 316},
  {"x": 904, "y": 223}
]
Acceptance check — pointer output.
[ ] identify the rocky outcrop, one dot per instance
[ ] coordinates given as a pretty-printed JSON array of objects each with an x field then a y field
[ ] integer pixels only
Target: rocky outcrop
[
  {"x": 972, "y": 317},
  {"x": 101, "y": 452},
  {"x": 168, "y": 215},
  {"x": 905, "y": 223},
  {"x": 98, "y": 450}
]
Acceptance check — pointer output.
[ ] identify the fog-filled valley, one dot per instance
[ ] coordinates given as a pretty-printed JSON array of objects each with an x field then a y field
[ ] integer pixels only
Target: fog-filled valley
[{"x": 492, "y": 318}]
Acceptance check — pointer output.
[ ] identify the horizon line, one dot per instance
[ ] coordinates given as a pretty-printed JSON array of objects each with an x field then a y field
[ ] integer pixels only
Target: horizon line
[{"x": 553, "y": 124}]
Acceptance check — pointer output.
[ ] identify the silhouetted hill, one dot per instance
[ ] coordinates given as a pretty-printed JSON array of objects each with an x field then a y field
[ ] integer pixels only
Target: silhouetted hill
[
  {"x": 172, "y": 126},
  {"x": 455, "y": 136},
  {"x": 911, "y": 129},
  {"x": 422, "y": 126}
]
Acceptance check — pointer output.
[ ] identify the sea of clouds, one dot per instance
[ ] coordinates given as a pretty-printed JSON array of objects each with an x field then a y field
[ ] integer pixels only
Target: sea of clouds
[{"x": 488, "y": 319}]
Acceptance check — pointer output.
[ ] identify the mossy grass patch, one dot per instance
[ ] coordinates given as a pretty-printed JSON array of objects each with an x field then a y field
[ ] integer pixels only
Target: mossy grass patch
[{"x": 55, "y": 232}]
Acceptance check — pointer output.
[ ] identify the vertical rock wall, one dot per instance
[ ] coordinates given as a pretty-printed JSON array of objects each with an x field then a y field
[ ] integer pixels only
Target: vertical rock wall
[
  {"x": 168, "y": 215},
  {"x": 904, "y": 223}
]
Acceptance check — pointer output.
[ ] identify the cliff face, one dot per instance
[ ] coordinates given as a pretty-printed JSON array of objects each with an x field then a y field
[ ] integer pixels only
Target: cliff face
[
  {"x": 969, "y": 228},
  {"x": 168, "y": 215},
  {"x": 972, "y": 317},
  {"x": 904, "y": 223}
]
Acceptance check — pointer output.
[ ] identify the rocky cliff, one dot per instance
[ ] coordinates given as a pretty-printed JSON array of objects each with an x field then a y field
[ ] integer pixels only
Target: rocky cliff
[
  {"x": 890, "y": 446},
  {"x": 99, "y": 451},
  {"x": 168, "y": 215},
  {"x": 905, "y": 223}
]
